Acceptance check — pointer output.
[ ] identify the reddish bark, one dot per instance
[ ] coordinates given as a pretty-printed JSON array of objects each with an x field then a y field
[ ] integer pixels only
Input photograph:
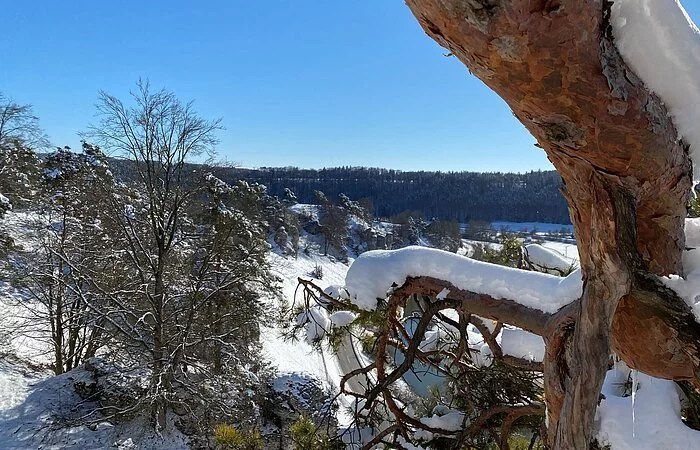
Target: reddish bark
[{"x": 626, "y": 174}]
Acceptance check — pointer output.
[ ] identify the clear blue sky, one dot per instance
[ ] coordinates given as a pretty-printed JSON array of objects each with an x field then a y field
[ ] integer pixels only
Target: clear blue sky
[{"x": 303, "y": 83}]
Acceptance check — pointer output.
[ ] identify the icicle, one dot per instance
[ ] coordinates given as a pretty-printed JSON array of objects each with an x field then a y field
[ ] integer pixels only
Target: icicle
[{"x": 634, "y": 395}]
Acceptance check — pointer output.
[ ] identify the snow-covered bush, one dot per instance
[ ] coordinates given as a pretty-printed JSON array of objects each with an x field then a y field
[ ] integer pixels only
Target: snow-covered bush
[
  {"x": 19, "y": 174},
  {"x": 115, "y": 388}
]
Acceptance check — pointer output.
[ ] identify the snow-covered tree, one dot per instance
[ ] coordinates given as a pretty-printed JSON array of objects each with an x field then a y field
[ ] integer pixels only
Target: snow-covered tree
[
  {"x": 191, "y": 310},
  {"x": 334, "y": 224},
  {"x": 626, "y": 171},
  {"x": 230, "y": 275},
  {"x": 444, "y": 234},
  {"x": 354, "y": 208},
  {"x": 19, "y": 174},
  {"x": 289, "y": 198},
  {"x": 72, "y": 249}
]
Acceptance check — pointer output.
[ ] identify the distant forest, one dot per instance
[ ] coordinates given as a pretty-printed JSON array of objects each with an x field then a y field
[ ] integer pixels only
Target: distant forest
[{"x": 462, "y": 196}]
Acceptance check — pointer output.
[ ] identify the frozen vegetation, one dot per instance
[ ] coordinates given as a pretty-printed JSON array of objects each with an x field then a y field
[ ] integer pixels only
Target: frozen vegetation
[{"x": 170, "y": 307}]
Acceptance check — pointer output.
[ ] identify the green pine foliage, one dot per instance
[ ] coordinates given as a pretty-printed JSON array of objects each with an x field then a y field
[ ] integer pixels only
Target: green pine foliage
[
  {"x": 228, "y": 437},
  {"x": 307, "y": 436}
]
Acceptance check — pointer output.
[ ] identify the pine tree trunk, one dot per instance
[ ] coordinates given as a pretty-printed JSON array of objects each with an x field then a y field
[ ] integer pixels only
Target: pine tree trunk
[{"x": 626, "y": 176}]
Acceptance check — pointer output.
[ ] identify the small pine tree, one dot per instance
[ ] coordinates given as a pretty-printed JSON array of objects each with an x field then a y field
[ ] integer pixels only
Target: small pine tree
[
  {"x": 510, "y": 253},
  {"x": 228, "y": 437},
  {"x": 19, "y": 173},
  {"x": 306, "y": 436},
  {"x": 334, "y": 223}
]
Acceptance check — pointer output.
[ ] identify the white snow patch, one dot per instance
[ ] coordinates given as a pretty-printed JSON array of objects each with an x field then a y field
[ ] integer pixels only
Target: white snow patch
[
  {"x": 336, "y": 291},
  {"x": 522, "y": 344},
  {"x": 692, "y": 232},
  {"x": 546, "y": 258},
  {"x": 373, "y": 273},
  {"x": 342, "y": 318},
  {"x": 431, "y": 339},
  {"x": 688, "y": 287},
  {"x": 5, "y": 201},
  {"x": 450, "y": 420},
  {"x": 442, "y": 295},
  {"x": 317, "y": 323},
  {"x": 661, "y": 44},
  {"x": 657, "y": 415}
]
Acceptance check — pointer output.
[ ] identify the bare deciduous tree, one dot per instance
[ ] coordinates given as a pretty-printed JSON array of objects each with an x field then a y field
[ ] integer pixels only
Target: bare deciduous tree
[
  {"x": 194, "y": 248},
  {"x": 18, "y": 123},
  {"x": 161, "y": 136}
]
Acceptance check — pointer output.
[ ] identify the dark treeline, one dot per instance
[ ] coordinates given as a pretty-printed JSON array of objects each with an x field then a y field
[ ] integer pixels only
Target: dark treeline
[{"x": 462, "y": 196}]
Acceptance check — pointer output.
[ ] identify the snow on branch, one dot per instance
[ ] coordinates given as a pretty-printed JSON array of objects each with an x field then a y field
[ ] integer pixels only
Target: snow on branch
[
  {"x": 545, "y": 260},
  {"x": 451, "y": 338},
  {"x": 660, "y": 42},
  {"x": 375, "y": 272}
]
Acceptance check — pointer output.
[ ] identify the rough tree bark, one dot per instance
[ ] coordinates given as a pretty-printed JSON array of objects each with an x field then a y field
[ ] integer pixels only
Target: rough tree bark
[{"x": 627, "y": 178}]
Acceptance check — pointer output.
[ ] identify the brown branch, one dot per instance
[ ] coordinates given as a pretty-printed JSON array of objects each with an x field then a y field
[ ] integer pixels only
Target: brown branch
[
  {"x": 513, "y": 415},
  {"x": 517, "y": 411},
  {"x": 497, "y": 351},
  {"x": 378, "y": 438},
  {"x": 488, "y": 337},
  {"x": 483, "y": 305}
]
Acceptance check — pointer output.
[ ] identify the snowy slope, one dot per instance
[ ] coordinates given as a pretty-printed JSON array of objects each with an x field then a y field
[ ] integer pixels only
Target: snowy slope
[
  {"x": 32, "y": 399},
  {"x": 43, "y": 420},
  {"x": 37, "y": 409},
  {"x": 299, "y": 357}
]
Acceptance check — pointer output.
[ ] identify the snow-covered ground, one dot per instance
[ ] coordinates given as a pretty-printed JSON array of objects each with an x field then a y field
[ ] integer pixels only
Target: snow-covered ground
[
  {"x": 44, "y": 412},
  {"x": 648, "y": 420},
  {"x": 31, "y": 399},
  {"x": 298, "y": 356}
]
